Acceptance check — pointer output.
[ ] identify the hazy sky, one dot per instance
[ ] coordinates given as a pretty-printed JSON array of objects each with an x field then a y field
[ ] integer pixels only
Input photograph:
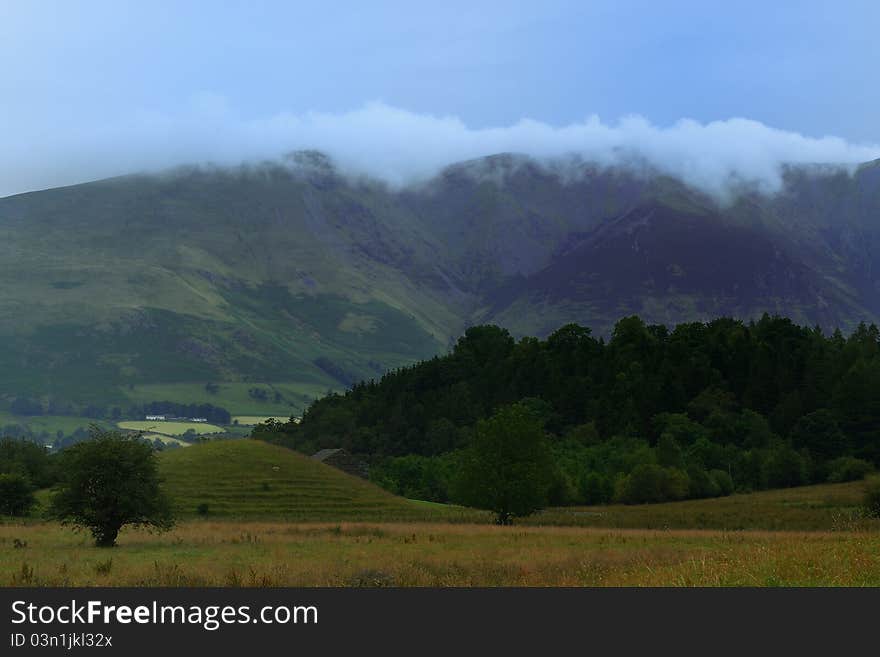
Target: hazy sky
[{"x": 90, "y": 89}]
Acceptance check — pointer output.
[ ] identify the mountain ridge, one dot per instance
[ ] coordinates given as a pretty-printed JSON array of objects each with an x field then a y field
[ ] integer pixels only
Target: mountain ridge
[{"x": 292, "y": 272}]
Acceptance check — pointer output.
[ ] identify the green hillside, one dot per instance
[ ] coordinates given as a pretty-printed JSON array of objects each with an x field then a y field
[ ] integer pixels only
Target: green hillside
[
  {"x": 293, "y": 277},
  {"x": 249, "y": 478},
  {"x": 252, "y": 276},
  {"x": 824, "y": 507}
]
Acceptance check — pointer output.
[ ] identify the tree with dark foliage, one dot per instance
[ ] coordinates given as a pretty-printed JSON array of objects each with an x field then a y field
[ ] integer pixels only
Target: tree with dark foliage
[
  {"x": 108, "y": 482},
  {"x": 16, "y": 495},
  {"x": 757, "y": 404},
  {"x": 508, "y": 467},
  {"x": 29, "y": 459}
]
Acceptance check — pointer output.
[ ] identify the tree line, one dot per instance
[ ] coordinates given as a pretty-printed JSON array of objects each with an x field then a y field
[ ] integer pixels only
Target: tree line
[
  {"x": 25, "y": 406},
  {"x": 651, "y": 414}
]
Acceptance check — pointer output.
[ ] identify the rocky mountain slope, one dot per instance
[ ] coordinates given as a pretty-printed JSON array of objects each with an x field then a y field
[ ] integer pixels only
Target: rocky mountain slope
[{"x": 291, "y": 272}]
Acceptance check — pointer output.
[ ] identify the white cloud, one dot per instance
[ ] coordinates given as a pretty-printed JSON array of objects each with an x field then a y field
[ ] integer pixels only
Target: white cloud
[{"x": 402, "y": 147}]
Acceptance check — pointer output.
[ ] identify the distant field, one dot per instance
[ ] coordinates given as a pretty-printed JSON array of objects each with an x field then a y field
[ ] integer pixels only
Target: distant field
[
  {"x": 166, "y": 439},
  {"x": 201, "y": 553},
  {"x": 251, "y": 420},
  {"x": 170, "y": 428},
  {"x": 234, "y": 397},
  {"x": 50, "y": 423}
]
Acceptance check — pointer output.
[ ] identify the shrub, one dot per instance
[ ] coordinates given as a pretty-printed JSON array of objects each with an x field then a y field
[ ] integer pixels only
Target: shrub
[
  {"x": 203, "y": 509},
  {"x": 562, "y": 491},
  {"x": 416, "y": 477},
  {"x": 649, "y": 483},
  {"x": 723, "y": 480},
  {"x": 848, "y": 468},
  {"x": 783, "y": 468},
  {"x": 104, "y": 567},
  {"x": 596, "y": 488},
  {"x": 16, "y": 495},
  {"x": 872, "y": 497},
  {"x": 701, "y": 484}
]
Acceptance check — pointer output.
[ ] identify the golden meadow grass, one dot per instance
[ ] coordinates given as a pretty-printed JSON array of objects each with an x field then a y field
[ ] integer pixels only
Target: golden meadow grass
[
  {"x": 426, "y": 554},
  {"x": 266, "y": 503}
]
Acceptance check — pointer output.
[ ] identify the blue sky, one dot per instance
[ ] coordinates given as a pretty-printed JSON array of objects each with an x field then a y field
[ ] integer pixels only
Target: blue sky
[{"x": 95, "y": 88}]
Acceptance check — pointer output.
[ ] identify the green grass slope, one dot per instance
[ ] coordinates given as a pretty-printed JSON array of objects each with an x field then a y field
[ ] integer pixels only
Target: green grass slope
[
  {"x": 824, "y": 507},
  {"x": 258, "y": 276},
  {"x": 252, "y": 479}
]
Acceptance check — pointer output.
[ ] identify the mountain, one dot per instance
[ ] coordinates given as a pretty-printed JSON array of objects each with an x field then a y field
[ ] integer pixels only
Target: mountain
[
  {"x": 293, "y": 278},
  {"x": 671, "y": 265}
]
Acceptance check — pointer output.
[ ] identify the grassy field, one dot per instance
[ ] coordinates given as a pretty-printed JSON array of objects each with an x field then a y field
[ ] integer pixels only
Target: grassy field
[
  {"x": 252, "y": 420},
  {"x": 234, "y": 397},
  {"x": 277, "y": 518},
  {"x": 50, "y": 423},
  {"x": 425, "y": 554},
  {"x": 168, "y": 440},
  {"x": 824, "y": 507},
  {"x": 169, "y": 428}
]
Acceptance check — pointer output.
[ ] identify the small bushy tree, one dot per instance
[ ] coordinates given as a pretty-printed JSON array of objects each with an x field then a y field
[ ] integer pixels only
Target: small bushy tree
[
  {"x": 701, "y": 483},
  {"x": 16, "y": 495},
  {"x": 723, "y": 481},
  {"x": 848, "y": 468},
  {"x": 108, "y": 482},
  {"x": 649, "y": 483},
  {"x": 783, "y": 468}
]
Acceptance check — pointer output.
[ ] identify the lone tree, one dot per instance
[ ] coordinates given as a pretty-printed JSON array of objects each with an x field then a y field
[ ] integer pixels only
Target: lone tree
[
  {"x": 508, "y": 467},
  {"x": 107, "y": 482}
]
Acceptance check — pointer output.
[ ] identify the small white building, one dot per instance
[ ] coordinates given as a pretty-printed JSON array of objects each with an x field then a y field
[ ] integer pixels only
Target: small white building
[
  {"x": 155, "y": 417},
  {"x": 198, "y": 419}
]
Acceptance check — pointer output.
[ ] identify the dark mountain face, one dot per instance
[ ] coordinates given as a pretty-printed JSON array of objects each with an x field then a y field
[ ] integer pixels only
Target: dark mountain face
[
  {"x": 299, "y": 275},
  {"x": 835, "y": 220},
  {"x": 675, "y": 265},
  {"x": 506, "y": 216}
]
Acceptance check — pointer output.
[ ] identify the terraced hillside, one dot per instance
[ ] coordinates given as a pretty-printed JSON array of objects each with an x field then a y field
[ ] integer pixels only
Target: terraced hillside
[{"x": 250, "y": 478}]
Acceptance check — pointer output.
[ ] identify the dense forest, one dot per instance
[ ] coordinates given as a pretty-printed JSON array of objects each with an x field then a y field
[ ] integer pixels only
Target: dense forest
[{"x": 651, "y": 414}]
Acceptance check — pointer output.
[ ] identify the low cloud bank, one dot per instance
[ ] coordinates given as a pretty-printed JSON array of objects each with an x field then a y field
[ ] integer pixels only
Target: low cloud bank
[{"x": 402, "y": 147}]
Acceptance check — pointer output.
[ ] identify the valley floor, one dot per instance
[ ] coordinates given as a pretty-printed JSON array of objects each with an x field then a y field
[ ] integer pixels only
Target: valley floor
[{"x": 205, "y": 553}]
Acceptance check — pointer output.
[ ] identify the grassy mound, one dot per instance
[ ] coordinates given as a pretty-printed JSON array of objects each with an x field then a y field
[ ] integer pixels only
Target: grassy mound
[{"x": 252, "y": 479}]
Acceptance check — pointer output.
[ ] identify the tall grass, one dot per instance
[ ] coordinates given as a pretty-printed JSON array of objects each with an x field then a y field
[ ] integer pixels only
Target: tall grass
[{"x": 434, "y": 554}]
